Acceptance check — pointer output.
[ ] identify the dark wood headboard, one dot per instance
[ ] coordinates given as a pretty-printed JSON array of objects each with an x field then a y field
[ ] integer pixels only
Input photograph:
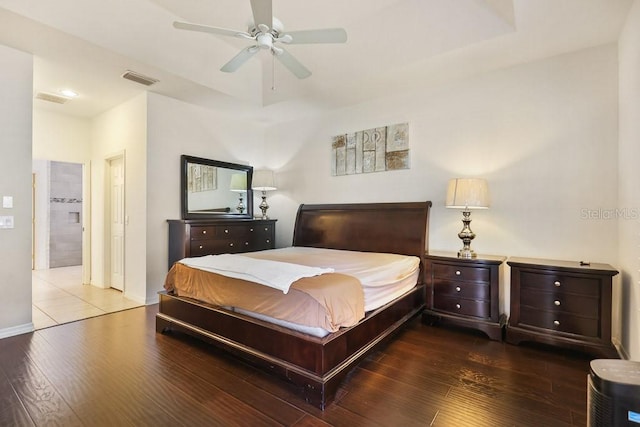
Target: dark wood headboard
[{"x": 400, "y": 228}]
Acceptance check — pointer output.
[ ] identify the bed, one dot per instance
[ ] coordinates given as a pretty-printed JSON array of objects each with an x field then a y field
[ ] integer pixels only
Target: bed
[{"x": 317, "y": 364}]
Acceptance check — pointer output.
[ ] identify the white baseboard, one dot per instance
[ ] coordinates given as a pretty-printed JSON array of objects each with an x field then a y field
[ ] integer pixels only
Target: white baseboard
[{"x": 16, "y": 330}]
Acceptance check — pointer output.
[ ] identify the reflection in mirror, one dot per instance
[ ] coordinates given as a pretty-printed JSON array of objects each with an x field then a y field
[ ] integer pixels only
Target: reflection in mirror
[{"x": 215, "y": 189}]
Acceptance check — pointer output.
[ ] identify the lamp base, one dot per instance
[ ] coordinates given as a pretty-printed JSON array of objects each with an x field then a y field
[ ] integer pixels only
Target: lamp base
[
  {"x": 264, "y": 206},
  {"x": 466, "y": 253},
  {"x": 466, "y": 235}
]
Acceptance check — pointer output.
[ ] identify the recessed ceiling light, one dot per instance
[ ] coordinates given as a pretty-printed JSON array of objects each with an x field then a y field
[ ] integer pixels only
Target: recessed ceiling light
[{"x": 69, "y": 93}]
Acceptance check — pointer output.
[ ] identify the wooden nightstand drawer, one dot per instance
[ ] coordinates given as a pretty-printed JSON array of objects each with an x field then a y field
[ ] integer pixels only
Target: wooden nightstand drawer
[
  {"x": 558, "y": 301},
  {"x": 562, "y": 283},
  {"x": 461, "y": 272},
  {"x": 466, "y": 307},
  {"x": 560, "y": 322},
  {"x": 462, "y": 289}
]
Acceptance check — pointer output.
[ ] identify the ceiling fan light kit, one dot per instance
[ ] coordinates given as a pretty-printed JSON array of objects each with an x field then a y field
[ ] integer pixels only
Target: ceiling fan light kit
[{"x": 266, "y": 31}]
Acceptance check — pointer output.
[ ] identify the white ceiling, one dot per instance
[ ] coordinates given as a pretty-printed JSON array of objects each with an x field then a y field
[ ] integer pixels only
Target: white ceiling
[{"x": 392, "y": 45}]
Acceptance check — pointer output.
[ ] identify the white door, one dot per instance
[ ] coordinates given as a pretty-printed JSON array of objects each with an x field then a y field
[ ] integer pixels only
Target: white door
[{"x": 117, "y": 220}]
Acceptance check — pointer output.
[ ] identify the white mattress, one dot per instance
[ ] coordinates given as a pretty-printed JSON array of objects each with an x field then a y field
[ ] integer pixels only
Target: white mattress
[{"x": 384, "y": 277}]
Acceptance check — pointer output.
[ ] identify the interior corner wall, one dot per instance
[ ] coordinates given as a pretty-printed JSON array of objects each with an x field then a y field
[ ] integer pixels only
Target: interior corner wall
[
  {"x": 122, "y": 129},
  {"x": 629, "y": 177},
  {"x": 16, "y": 94},
  {"x": 544, "y": 135},
  {"x": 176, "y": 128}
]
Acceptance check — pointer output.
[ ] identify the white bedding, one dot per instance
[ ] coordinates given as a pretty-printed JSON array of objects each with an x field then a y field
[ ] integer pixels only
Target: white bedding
[
  {"x": 275, "y": 274},
  {"x": 384, "y": 277}
]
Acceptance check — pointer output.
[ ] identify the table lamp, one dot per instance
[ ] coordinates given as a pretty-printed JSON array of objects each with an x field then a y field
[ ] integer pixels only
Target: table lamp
[
  {"x": 467, "y": 194},
  {"x": 263, "y": 180}
]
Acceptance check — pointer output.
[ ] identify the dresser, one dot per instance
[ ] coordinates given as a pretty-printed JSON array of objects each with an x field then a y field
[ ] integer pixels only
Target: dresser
[
  {"x": 464, "y": 292},
  {"x": 562, "y": 303},
  {"x": 191, "y": 238}
]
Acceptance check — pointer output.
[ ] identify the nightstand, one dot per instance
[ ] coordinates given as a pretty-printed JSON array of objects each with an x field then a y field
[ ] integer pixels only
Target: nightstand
[
  {"x": 562, "y": 303},
  {"x": 464, "y": 292}
]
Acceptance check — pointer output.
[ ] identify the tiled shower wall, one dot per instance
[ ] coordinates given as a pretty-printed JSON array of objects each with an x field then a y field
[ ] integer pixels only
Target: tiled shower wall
[{"x": 65, "y": 206}]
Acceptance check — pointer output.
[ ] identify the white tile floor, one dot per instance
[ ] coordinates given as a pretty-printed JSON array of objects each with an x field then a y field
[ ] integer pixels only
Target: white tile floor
[{"x": 60, "y": 297}]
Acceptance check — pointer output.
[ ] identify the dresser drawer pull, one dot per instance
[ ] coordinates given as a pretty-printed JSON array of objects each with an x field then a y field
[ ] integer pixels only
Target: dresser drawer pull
[
  {"x": 204, "y": 231},
  {"x": 556, "y": 322},
  {"x": 458, "y": 289},
  {"x": 268, "y": 241},
  {"x": 458, "y": 272},
  {"x": 201, "y": 246},
  {"x": 457, "y": 305},
  {"x": 251, "y": 229},
  {"x": 266, "y": 229},
  {"x": 230, "y": 244},
  {"x": 246, "y": 243},
  {"x": 557, "y": 283},
  {"x": 557, "y": 302}
]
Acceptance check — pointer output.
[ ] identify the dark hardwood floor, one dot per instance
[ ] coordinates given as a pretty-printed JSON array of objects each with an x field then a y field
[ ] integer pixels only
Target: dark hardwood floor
[{"x": 114, "y": 370}]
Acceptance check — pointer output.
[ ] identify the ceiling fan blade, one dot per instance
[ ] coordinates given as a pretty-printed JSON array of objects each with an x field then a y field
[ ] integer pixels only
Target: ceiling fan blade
[
  {"x": 262, "y": 12},
  {"x": 293, "y": 65},
  {"x": 209, "y": 29},
  {"x": 239, "y": 59},
  {"x": 327, "y": 35}
]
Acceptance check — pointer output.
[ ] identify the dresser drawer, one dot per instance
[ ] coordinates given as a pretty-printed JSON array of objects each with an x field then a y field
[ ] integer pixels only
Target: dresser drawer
[
  {"x": 203, "y": 233},
  {"x": 561, "y": 301},
  {"x": 563, "y": 283},
  {"x": 459, "y": 272},
  {"x": 466, "y": 307},
  {"x": 478, "y": 291},
  {"x": 208, "y": 247},
  {"x": 560, "y": 322}
]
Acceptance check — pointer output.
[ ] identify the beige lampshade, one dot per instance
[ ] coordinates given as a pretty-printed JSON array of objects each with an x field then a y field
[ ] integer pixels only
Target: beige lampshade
[
  {"x": 238, "y": 182},
  {"x": 263, "y": 180},
  {"x": 471, "y": 193}
]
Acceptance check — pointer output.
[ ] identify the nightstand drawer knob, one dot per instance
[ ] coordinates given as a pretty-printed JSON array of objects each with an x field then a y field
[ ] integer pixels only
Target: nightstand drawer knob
[
  {"x": 246, "y": 243},
  {"x": 457, "y": 272},
  {"x": 458, "y": 289},
  {"x": 556, "y": 322},
  {"x": 226, "y": 231},
  {"x": 556, "y": 302},
  {"x": 204, "y": 231},
  {"x": 557, "y": 283},
  {"x": 251, "y": 229},
  {"x": 457, "y": 305},
  {"x": 201, "y": 246},
  {"x": 230, "y": 244}
]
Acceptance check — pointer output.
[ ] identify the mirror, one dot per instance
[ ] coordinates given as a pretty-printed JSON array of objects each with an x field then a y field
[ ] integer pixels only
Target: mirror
[{"x": 215, "y": 189}]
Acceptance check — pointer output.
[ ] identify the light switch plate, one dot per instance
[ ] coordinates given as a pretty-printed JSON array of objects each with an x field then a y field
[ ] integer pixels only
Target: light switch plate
[
  {"x": 6, "y": 221},
  {"x": 7, "y": 202}
]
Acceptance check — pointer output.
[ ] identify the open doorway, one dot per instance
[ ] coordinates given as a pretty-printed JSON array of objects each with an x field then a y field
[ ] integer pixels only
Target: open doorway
[{"x": 61, "y": 257}]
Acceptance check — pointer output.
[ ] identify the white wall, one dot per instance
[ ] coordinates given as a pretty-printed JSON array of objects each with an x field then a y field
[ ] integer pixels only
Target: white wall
[
  {"x": 16, "y": 94},
  {"x": 543, "y": 134},
  {"x": 629, "y": 177},
  {"x": 121, "y": 130},
  {"x": 176, "y": 128}
]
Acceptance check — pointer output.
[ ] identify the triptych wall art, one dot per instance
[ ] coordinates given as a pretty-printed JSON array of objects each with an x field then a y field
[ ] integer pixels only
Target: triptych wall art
[{"x": 372, "y": 150}]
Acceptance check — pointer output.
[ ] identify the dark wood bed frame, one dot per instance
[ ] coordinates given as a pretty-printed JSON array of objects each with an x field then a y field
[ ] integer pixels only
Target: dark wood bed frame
[{"x": 317, "y": 365}]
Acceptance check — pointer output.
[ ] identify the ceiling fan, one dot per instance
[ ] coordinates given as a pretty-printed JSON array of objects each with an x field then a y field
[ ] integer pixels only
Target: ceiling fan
[{"x": 267, "y": 33}]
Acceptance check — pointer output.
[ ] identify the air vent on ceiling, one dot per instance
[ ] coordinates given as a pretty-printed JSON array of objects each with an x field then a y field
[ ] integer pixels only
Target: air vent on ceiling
[
  {"x": 139, "y": 78},
  {"x": 51, "y": 97}
]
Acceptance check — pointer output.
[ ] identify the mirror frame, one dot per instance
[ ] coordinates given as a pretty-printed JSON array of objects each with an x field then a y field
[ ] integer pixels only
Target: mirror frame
[{"x": 184, "y": 201}]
